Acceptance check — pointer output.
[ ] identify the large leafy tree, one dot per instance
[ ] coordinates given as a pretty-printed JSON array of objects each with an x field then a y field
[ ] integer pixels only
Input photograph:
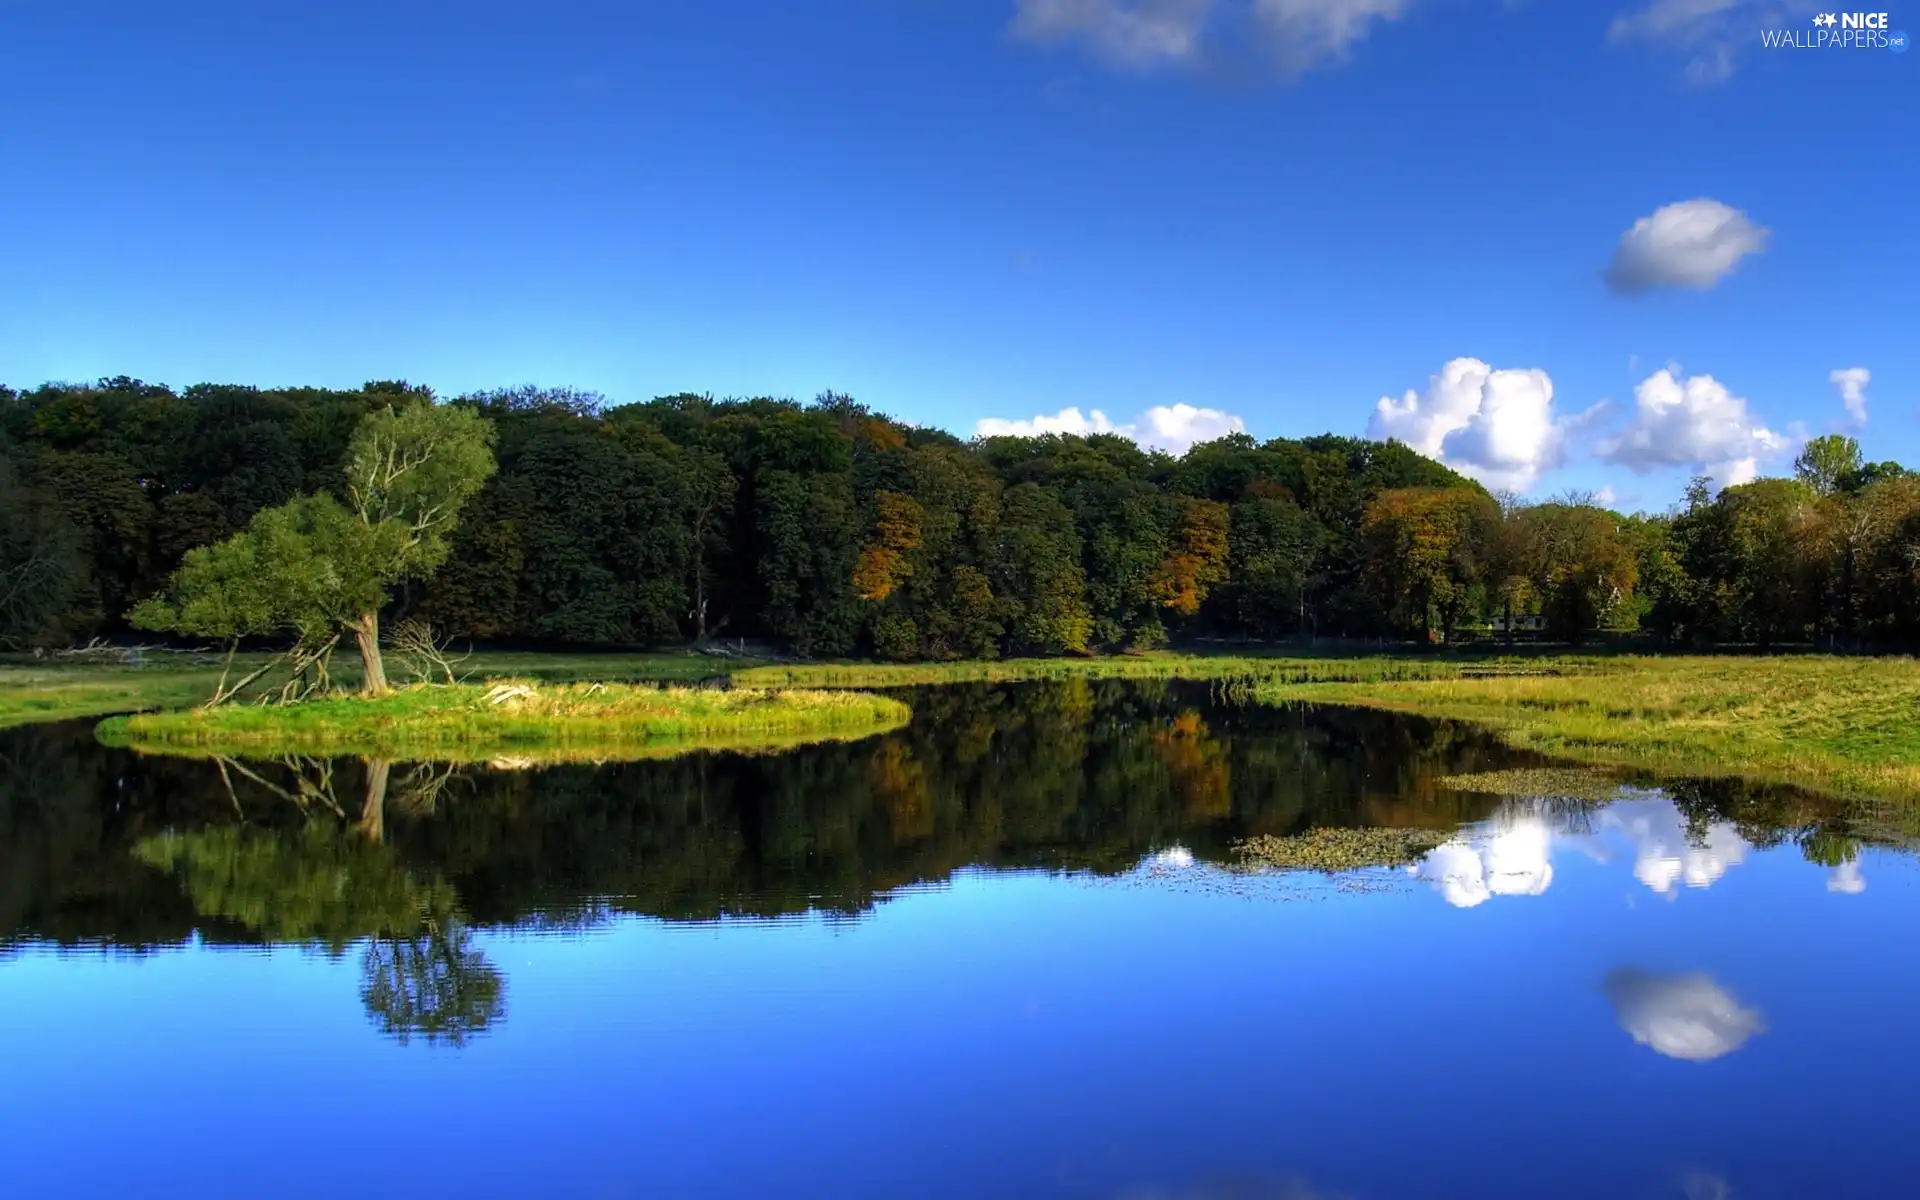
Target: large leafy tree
[{"x": 315, "y": 567}]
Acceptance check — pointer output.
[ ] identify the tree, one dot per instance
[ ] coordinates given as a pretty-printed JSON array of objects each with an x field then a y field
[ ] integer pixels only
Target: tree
[
  {"x": 1423, "y": 551},
  {"x": 710, "y": 492},
  {"x": 40, "y": 563},
  {"x": 410, "y": 469},
  {"x": 1826, "y": 464},
  {"x": 1197, "y": 559},
  {"x": 313, "y": 567}
]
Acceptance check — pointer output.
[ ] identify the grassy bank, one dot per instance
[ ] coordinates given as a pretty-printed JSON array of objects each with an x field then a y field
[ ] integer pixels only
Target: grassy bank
[
  {"x": 509, "y": 718},
  {"x": 52, "y": 691},
  {"x": 1162, "y": 665},
  {"x": 1849, "y": 725}
]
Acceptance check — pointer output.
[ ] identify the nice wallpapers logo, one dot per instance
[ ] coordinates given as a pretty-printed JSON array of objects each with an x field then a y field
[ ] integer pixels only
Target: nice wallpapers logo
[{"x": 1840, "y": 31}]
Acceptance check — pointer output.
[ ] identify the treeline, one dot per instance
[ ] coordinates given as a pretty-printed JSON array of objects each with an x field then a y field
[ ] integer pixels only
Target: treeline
[{"x": 834, "y": 531}]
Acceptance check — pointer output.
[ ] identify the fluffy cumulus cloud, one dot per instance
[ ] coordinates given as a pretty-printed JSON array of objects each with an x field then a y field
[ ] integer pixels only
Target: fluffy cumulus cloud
[
  {"x": 1170, "y": 427},
  {"x": 1681, "y": 1016},
  {"x": 1692, "y": 421},
  {"x": 1851, "y": 383},
  {"x": 1498, "y": 426},
  {"x": 1144, "y": 34},
  {"x": 1708, "y": 35},
  {"x": 1691, "y": 244}
]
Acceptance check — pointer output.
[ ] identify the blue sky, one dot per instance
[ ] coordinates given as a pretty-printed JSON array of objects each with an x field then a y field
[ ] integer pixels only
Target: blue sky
[{"x": 1279, "y": 211}]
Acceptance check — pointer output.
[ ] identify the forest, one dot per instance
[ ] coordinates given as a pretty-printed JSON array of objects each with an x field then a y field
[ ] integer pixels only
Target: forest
[{"x": 828, "y": 530}]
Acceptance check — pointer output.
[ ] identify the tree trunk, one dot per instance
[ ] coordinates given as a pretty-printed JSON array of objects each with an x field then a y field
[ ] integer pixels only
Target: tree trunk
[
  {"x": 366, "y": 637},
  {"x": 699, "y": 597}
]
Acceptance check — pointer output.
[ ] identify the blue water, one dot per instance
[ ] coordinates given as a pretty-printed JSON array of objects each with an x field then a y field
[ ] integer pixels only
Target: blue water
[{"x": 1550, "y": 1005}]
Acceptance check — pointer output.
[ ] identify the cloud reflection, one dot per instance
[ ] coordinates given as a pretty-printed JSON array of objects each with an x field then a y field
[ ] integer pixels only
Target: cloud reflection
[
  {"x": 1664, "y": 854},
  {"x": 1512, "y": 855},
  {"x": 1514, "y": 861},
  {"x": 1847, "y": 879},
  {"x": 1687, "y": 1016}
]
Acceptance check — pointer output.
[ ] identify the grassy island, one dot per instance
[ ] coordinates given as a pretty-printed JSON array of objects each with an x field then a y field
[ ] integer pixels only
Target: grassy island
[{"x": 513, "y": 716}]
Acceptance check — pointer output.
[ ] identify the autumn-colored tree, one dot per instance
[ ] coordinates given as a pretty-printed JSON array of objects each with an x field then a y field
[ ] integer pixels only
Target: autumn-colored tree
[
  {"x": 884, "y": 561},
  {"x": 1196, "y": 558},
  {"x": 1423, "y": 552}
]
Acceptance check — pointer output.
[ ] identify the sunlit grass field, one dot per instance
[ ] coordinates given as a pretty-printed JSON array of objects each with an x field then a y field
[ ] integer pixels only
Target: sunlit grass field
[
  {"x": 1850, "y": 725},
  {"x": 510, "y": 717}
]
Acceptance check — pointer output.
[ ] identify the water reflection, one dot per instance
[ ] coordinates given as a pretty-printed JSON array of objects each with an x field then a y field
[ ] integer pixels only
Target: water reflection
[
  {"x": 402, "y": 863},
  {"x": 1688, "y": 836},
  {"x": 1680, "y": 1016}
]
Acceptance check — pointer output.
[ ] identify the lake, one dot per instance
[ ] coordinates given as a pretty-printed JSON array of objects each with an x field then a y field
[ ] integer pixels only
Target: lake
[{"x": 1002, "y": 952}]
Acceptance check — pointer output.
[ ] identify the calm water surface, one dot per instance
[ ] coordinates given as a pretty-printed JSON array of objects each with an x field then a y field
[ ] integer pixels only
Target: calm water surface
[{"x": 990, "y": 955}]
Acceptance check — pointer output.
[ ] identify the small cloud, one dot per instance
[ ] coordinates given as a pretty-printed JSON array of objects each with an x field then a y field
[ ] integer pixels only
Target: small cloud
[
  {"x": 1692, "y": 422},
  {"x": 1851, "y": 383},
  {"x": 1498, "y": 426},
  {"x": 1174, "y": 428},
  {"x": 1136, "y": 34},
  {"x": 1691, "y": 244},
  {"x": 1145, "y": 35},
  {"x": 1708, "y": 33},
  {"x": 1687, "y": 1017}
]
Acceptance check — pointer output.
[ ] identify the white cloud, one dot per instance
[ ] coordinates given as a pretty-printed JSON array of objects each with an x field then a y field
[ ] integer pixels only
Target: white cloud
[
  {"x": 1495, "y": 425},
  {"x": 1708, "y": 33},
  {"x": 1851, "y": 383},
  {"x": 1146, "y": 34},
  {"x": 1067, "y": 420},
  {"x": 1681, "y": 1016},
  {"x": 1847, "y": 879},
  {"x": 1692, "y": 422},
  {"x": 1128, "y": 33},
  {"x": 1691, "y": 244},
  {"x": 1170, "y": 427},
  {"x": 1305, "y": 32}
]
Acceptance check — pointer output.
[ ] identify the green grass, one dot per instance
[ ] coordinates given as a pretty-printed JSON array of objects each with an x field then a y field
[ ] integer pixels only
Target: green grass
[
  {"x": 1846, "y": 725},
  {"x": 38, "y": 691},
  {"x": 513, "y": 719}
]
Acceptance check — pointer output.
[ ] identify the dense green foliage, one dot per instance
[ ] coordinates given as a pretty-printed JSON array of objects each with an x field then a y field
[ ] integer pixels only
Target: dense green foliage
[{"x": 832, "y": 531}]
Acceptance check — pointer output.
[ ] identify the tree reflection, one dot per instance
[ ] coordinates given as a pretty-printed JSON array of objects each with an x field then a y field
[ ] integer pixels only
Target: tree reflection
[
  {"x": 1081, "y": 775},
  {"x": 328, "y": 882},
  {"x": 435, "y": 986}
]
